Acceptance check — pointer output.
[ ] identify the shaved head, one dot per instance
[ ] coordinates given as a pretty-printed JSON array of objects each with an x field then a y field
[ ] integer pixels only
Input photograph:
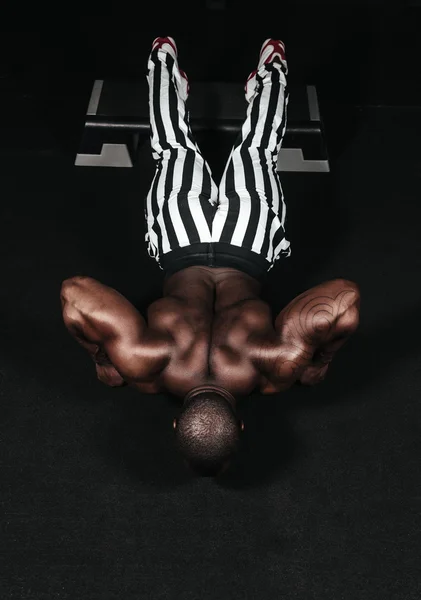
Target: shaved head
[{"x": 208, "y": 431}]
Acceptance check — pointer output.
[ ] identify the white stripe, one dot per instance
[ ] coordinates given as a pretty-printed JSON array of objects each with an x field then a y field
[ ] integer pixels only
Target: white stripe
[
  {"x": 283, "y": 110},
  {"x": 277, "y": 120},
  {"x": 283, "y": 245},
  {"x": 245, "y": 199},
  {"x": 219, "y": 221},
  {"x": 260, "y": 189},
  {"x": 198, "y": 217},
  {"x": 284, "y": 206},
  {"x": 149, "y": 213},
  {"x": 181, "y": 111},
  {"x": 261, "y": 228},
  {"x": 155, "y": 137},
  {"x": 160, "y": 198},
  {"x": 214, "y": 192},
  {"x": 278, "y": 193},
  {"x": 273, "y": 229},
  {"x": 193, "y": 199},
  {"x": 275, "y": 190},
  {"x": 153, "y": 241},
  {"x": 179, "y": 228},
  {"x": 243, "y": 219},
  {"x": 164, "y": 102},
  {"x": 261, "y": 121}
]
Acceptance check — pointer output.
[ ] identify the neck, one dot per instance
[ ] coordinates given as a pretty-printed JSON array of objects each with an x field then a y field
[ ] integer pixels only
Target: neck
[{"x": 209, "y": 387}]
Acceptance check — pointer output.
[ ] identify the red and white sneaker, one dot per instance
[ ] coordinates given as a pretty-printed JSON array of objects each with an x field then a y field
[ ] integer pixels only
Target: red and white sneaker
[
  {"x": 271, "y": 50},
  {"x": 167, "y": 44}
]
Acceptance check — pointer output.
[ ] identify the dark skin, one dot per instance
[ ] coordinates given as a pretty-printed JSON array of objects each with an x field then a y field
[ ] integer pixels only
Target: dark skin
[{"x": 210, "y": 329}]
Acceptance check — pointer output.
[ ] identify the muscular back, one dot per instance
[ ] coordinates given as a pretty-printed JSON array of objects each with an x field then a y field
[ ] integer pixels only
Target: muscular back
[{"x": 213, "y": 318}]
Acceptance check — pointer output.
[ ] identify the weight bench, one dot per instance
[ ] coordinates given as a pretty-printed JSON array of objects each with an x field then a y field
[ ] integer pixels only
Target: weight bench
[{"x": 117, "y": 122}]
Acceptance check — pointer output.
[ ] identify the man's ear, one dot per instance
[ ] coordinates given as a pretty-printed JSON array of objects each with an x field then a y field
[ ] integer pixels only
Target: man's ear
[{"x": 174, "y": 423}]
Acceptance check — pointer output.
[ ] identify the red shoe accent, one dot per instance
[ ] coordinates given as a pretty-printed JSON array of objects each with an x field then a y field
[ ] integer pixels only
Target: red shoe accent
[
  {"x": 252, "y": 74},
  {"x": 278, "y": 48},
  {"x": 163, "y": 40}
]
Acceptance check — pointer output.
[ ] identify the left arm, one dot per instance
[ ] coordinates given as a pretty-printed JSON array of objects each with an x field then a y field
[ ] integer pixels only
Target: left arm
[{"x": 104, "y": 323}]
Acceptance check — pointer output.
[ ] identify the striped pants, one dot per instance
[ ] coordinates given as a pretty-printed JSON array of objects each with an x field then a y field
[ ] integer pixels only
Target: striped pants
[{"x": 189, "y": 220}]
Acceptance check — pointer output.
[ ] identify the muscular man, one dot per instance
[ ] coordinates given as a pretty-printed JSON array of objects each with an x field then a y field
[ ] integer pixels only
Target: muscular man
[{"x": 211, "y": 340}]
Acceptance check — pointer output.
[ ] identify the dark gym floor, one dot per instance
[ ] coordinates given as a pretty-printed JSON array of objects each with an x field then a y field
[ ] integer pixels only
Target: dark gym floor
[{"x": 324, "y": 500}]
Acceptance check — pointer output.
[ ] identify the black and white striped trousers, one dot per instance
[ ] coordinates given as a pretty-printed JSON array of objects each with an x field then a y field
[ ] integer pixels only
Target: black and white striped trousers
[{"x": 191, "y": 222}]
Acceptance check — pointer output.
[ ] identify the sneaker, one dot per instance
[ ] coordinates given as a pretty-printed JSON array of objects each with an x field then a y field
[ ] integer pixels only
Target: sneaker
[
  {"x": 167, "y": 44},
  {"x": 271, "y": 50}
]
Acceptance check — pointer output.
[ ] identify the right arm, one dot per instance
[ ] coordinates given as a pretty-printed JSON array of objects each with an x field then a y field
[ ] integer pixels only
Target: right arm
[
  {"x": 113, "y": 332},
  {"x": 310, "y": 330}
]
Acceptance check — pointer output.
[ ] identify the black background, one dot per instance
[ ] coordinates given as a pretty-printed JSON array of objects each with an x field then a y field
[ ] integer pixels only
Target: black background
[{"x": 324, "y": 500}]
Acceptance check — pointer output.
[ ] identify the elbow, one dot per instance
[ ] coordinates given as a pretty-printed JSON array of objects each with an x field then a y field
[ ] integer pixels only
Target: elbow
[
  {"x": 65, "y": 292},
  {"x": 70, "y": 286},
  {"x": 349, "y": 305},
  {"x": 69, "y": 295},
  {"x": 348, "y": 285},
  {"x": 350, "y": 291}
]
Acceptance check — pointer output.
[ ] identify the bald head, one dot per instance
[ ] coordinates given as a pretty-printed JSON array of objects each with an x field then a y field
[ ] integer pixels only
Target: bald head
[{"x": 208, "y": 431}]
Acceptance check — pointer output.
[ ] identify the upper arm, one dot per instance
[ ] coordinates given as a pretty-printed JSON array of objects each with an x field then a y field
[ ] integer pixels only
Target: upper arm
[{"x": 106, "y": 318}]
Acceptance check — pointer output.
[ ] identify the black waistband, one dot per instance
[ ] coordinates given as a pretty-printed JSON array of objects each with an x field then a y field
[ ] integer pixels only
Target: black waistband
[{"x": 215, "y": 254}]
